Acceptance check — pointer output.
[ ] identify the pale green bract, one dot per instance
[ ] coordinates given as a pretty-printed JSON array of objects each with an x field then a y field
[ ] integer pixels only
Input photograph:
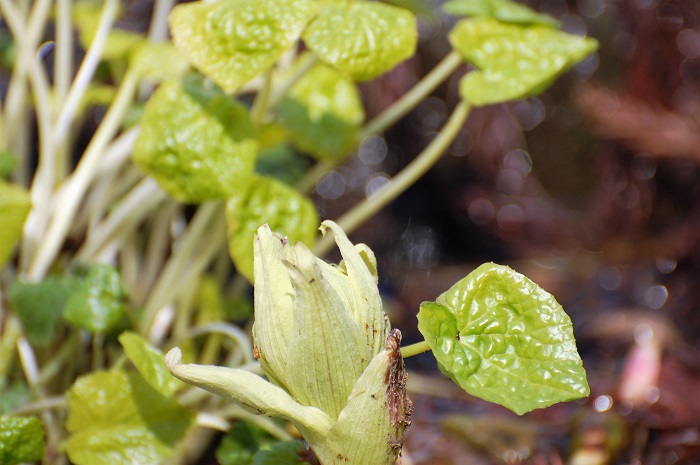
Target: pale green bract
[
  {"x": 323, "y": 341},
  {"x": 362, "y": 39},
  {"x": 15, "y": 205},
  {"x": 322, "y": 113},
  {"x": 504, "y": 339},
  {"x": 116, "y": 418},
  {"x": 513, "y": 61},
  {"x": 266, "y": 200},
  {"x": 197, "y": 143},
  {"x": 233, "y": 41}
]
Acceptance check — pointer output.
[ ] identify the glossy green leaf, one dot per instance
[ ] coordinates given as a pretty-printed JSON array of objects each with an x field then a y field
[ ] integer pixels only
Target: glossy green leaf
[
  {"x": 513, "y": 61},
  {"x": 21, "y": 440},
  {"x": 362, "y": 39},
  {"x": 39, "y": 306},
  {"x": 266, "y": 200},
  {"x": 235, "y": 40},
  {"x": 117, "y": 418},
  {"x": 282, "y": 453},
  {"x": 149, "y": 362},
  {"x": 99, "y": 304},
  {"x": 198, "y": 143},
  {"x": 15, "y": 205},
  {"x": 504, "y": 339},
  {"x": 159, "y": 61},
  {"x": 506, "y": 11},
  {"x": 322, "y": 113}
]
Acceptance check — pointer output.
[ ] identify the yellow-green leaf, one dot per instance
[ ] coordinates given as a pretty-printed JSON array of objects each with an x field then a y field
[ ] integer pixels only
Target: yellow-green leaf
[
  {"x": 266, "y": 200},
  {"x": 198, "y": 143},
  {"x": 513, "y": 61},
  {"x": 362, "y": 39},
  {"x": 117, "y": 418},
  {"x": 506, "y": 11},
  {"x": 233, "y": 41},
  {"x": 21, "y": 440},
  {"x": 504, "y": 339},
  {"x": 148, "y": 360},
  {"x": 322, "y": 113}
]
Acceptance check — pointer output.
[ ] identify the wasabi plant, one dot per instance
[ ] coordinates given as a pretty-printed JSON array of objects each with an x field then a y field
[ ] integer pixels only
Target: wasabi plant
[{"x": 104, "y": 266}]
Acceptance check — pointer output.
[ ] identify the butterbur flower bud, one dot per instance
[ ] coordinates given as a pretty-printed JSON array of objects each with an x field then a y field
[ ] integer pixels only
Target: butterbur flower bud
[{"x": 325, "y": 345}]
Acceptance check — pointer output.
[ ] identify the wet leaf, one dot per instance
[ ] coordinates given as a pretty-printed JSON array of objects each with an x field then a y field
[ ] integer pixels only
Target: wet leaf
[
  {"x": 513, "y": 61},
  {"x": 117, "y": 418},
  {"x": 234, "y": 41},
  {"x": 39, "y": 306},
  {"x": 198, "y": 143},
  {"x": 504, "y": 339},
  {"x": 266, "y": 200},
  {"x": 149, "y": 362},
  {"x": 15, "y": 205},
  {"x": 322, "y": 113},
  {"x": 506, "y": 11},
  {"x": 99, "y": 303},
  {"x": 21, "y": 440},
  {"x": 362, "y": 39}
]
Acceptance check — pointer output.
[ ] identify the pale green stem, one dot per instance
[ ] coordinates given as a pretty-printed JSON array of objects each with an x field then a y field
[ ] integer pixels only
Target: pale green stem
[
  {"x": 414, "y": 349},
  {"x": 165, "y": 288},
  {"x": 85, "y": 73},
  {"x": 262, "y": 99},
  {"x": 76, "y": 185},
  {"x": 413, "y": 97},
  {"x": 48, "y": 403},
  {"x": 158, "y": 29},
  {"x": 63, "y": 66},
  {"x": 140, "y": 202},
  {"x": 402, "y": 181},
  {"x": 156, "y": 250},
  {"x": 232, "y": 331}
]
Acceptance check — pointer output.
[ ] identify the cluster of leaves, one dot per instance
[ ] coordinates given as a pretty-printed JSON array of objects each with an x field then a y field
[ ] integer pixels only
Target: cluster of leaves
[{"x": 205, "y": 141}]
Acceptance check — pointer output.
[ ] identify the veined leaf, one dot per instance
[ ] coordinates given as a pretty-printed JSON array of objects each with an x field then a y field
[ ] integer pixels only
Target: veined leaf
[
  {"x": 362, "y": 39},
  {"x": 198, "y": 143},
  {"x": 235, "y": 40},
  {"x": 513, "y": 61},
  {"x": 322, "y": 113},
  {"x": 504, "y": 339},
  {"x": 266, "y": 200},
  {"x": 116, "y": 418}
]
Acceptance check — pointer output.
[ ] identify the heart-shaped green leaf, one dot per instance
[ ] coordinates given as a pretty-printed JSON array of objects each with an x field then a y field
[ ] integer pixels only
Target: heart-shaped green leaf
[
  {"x": 99, "y": 303},
  {"x": 506, "y": 11},
  {"x": 14, "y": 208},
  {"x": 21, "y": 440},
  {"x": 362, "y": 39},
  {"x": 513, "y": 61},
  {"x": 234, "y": 41},
  {"x": 266, "y": 200},
  {"x": 504, "y": 339},
  {"x": 322, "y": 113},
  {"x": 198, "y": 143},
  {"x": 149, "y": 362},
  {"x": 116, "y": 418}
]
